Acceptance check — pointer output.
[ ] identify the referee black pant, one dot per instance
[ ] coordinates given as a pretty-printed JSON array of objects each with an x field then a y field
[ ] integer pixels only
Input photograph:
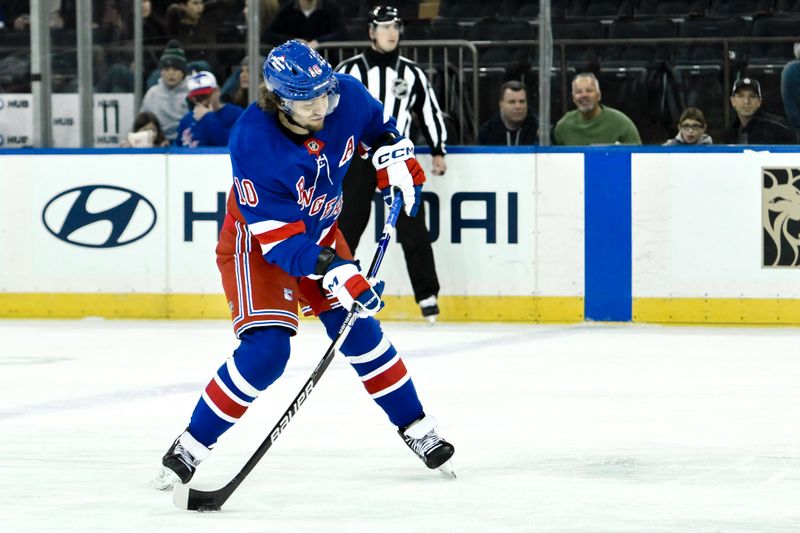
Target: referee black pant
[{"x": 412, "y": 234}]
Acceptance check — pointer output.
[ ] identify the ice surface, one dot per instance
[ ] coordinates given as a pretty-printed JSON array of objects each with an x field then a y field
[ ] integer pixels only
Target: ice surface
[{"x": 582, "y": 428}]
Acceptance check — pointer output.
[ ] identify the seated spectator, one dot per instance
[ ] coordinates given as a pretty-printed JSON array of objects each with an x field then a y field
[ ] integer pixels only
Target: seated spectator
[
  {"x": 591, "y": 122},
  {"x": 515, "y": 123},
  {"x": 234, "y": 90},
  {"x": 153, "y": 28},
  {"x": 193, "y": 22},
  {"x": 110, "y": 26},
  {"x": 19, "y": 18},
  {"x": 146, "y": 132},
  {"x": 167, "y": 99},
  {"x": 692, "y": 128},
  {"x": 790, "y": 89},
  {"x": 210, "y": 121},
  {"x": 752, "y": 125},
  {"x": 313, "y": 21}
]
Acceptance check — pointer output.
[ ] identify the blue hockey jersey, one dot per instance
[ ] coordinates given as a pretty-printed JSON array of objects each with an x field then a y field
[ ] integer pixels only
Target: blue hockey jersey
[{"x": 289, "y": 190}]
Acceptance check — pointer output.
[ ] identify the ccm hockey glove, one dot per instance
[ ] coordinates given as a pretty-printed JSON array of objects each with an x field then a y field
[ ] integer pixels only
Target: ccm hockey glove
[
  {"x": 396, "y": 166},
  {"x": 344, "y": 280}
]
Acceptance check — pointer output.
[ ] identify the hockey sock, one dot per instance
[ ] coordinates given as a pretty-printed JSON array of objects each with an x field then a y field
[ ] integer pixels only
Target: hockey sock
[
  {"x": 379, "y": 366},
  {"x": 258, "y": 361}
]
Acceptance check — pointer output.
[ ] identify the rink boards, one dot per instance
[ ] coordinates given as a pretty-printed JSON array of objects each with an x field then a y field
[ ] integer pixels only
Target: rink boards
[{"x": 612, "y": 234}]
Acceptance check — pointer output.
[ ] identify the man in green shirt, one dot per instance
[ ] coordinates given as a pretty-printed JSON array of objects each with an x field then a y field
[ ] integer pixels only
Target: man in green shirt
[{"x": 592, "y": 123}]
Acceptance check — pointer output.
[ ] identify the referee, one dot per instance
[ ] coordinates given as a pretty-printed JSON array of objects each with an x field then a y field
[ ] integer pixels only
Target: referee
[{"x": 403, "y": 88}]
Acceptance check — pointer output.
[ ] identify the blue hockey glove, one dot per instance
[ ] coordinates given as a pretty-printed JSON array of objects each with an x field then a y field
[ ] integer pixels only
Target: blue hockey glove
[
  {"x": 344, "y": 280},
  {"x": 396, "y": 166}
]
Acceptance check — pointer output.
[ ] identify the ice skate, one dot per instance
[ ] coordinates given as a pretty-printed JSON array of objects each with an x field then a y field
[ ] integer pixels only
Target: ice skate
[
  {"x": 429, "y": 308},
  {"x": 180, "y": 462},
  {"x": 423, "y": 440}
]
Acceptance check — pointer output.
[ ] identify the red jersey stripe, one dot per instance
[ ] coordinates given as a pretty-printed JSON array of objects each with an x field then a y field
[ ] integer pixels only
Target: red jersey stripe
[{"x": 282, "y": 233}]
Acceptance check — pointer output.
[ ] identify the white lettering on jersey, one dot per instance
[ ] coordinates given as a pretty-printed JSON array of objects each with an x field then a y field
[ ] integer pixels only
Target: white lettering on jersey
[{"x": 349, "y": 150}]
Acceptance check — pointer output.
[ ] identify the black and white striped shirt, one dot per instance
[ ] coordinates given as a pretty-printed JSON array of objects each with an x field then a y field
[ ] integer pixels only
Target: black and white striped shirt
[{"x": 403, "y": 87}]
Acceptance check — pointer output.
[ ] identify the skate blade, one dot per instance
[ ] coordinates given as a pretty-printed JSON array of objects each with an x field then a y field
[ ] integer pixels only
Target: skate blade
[
  {"x": 166, "y": 479},
  {"x": 447, "y": 470}
]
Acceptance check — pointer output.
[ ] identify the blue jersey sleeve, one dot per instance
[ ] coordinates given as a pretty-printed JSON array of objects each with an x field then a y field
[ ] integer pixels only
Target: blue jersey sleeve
[{"x": 375, "y": 126}]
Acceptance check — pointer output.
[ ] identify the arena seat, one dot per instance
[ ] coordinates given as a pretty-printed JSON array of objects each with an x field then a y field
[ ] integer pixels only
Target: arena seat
[
  {"x": 607, "y": 9},
  {"x": 787, "y": 6},
  {"x": 639, "y": 55},
  {"x": 672, "y": 8},
  {"x": 740, "y": 8},
  {"x": 578, "y": 56}
]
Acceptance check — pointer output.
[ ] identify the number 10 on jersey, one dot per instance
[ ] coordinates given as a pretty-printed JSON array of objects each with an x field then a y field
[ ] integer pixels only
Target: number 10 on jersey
[{"x": 246, "y": 192}]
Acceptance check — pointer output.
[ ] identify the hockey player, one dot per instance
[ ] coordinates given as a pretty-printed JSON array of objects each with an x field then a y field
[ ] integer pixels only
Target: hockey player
[
  {"x": 280, "y": 245},
  {"x": 403, "y": 88}
]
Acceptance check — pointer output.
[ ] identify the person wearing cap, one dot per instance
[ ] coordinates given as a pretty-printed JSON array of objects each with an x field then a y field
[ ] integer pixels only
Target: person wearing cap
[
  {"x": 167, "y": 98},
  {"x": 753, "y": 125},
  {"x": 210, "y": 121},
  {"x": 401, "y": 85}
]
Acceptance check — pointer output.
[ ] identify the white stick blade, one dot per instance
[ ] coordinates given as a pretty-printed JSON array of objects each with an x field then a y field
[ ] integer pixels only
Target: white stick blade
[{"x": 180, "y": 496}]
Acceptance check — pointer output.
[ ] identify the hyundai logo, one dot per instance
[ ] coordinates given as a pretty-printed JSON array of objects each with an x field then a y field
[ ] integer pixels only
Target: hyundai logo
[{"x": 99, "y": 216}]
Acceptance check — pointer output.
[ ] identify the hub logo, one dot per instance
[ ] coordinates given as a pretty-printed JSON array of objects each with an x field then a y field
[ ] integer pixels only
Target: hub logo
[{"x": 99, "y": 216}]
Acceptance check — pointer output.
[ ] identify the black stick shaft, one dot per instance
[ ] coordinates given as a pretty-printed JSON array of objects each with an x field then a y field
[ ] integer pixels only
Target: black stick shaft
[{"x": 199, "y": 500}]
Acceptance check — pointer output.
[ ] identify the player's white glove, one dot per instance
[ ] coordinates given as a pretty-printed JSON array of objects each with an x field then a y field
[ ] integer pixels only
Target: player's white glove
[
  {"x": 396, "y": 166},
  {"x": 344, "y": 280}
]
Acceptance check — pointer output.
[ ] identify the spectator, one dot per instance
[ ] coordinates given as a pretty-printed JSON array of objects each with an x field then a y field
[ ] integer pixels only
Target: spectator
[
  {"x": 234, "y": 90},
  {"x": 110, "y": 26},
  {"x": 193, "y": 23},
  {"x": 233, "y": 30},
  {"x": 515, "y": 123},
  {"x": 752, "y": 125},
  {"x": 19, "y": 16},
  {"x": 790, "y": 89},
  {"x": 210, "y": 121},
  {"x": 313, "y": 21},
  {"x": 692, "y": 128},
  {"x": 167, "y": 99},
  {"x": 146, "y": 132},
  {"x": 593, "y": 123},
  {"x": 153, "y": 28}
]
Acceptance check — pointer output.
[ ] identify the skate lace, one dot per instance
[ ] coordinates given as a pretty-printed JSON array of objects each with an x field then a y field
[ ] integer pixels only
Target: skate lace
[
  {"x": 422, "y": 446},
  {"x": 185, "y": 455}
]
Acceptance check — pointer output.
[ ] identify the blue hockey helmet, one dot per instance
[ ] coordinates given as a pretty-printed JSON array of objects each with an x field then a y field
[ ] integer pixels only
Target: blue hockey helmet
[{"x": 295, "y": 72}]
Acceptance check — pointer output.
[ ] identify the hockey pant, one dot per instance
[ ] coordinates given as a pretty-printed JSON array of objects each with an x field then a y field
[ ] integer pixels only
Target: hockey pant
[
  {"x": 261, "y": 358},
  {"x": 358, "y": 190}
]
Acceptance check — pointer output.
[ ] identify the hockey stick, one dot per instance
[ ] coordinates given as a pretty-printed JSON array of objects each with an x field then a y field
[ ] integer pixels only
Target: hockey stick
[{"x": 200, "y": 500}]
